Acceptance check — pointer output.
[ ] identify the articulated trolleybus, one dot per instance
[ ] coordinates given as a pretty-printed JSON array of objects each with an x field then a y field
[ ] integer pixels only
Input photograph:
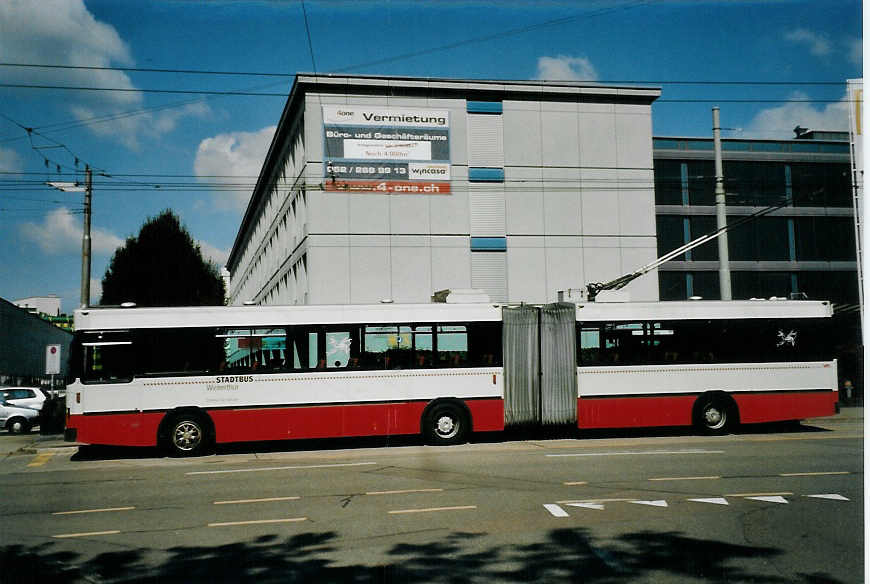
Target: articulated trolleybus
[{"x": 186, "y": 378}]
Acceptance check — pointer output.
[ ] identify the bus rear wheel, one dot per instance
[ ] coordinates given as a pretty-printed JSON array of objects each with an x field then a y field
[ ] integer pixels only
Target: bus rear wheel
[
  {"x": 445, "y": 424},
  {"x": 715, "y": 414},
  {"x": 187, "y": 435}
]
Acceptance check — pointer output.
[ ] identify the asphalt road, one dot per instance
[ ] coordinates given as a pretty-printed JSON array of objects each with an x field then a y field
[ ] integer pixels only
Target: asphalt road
[{"x": 768, "y": 505}]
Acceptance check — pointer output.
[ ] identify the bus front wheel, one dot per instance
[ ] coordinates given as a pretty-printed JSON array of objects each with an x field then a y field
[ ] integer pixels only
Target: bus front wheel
[
  {"x": 445, "y": 423},
  {"x": 187, "y": 435}
]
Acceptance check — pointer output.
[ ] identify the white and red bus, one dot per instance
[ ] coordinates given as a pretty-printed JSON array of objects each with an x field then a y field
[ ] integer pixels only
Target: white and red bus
[{"x": 189, "y": 377}]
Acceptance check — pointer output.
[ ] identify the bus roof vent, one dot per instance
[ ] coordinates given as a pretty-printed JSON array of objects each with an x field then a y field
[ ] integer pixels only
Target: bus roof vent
[{"x": 461, "y": 296}]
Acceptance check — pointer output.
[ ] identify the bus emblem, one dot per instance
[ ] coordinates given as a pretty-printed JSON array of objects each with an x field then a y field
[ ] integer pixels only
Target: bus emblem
[{"x": 786, "y": 339}]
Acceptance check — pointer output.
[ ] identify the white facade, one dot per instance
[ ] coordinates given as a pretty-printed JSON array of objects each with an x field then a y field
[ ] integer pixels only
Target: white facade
[
  {"x": 40, "y": 304},
  {"x": 550, "y": 187}
]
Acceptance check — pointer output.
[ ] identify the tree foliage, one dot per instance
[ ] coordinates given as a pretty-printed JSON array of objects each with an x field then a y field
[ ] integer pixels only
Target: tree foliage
[{"x": 162, "y": 266}]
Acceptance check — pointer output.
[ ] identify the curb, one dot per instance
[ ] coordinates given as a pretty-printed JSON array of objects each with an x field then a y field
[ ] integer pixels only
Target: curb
[{"x": 46, "y": 449}]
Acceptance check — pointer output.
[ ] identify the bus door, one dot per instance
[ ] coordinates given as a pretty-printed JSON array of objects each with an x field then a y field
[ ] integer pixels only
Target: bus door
[{"x": 540, "y": 364}]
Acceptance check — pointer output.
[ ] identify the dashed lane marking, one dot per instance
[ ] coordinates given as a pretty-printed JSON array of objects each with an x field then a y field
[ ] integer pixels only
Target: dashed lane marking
[
  {"x": 637, "y": 453},
  {"x": 575, "y": 483},
  {"x": 258, "y": 522},
  {"x": 656, "y": 503},
  {"x": 713, "y": 500},
  {"x": 711, "y": 478},
  {"x": 813, "y": 474},
  {"x": 746, "y": 495},
  {"x": 595, "y": 501},
  {"x": 432, "y": 509},
  {"x": 831, "y": 496},
  {"x": 267, "y": 500},
  {"x": 596, "y": 506},
  {"x": 106, "y": 510},
  {"x": 774, "y": 499},
  {"x": 404, "y": 492},
  {"x": 86, "y": 534},
  {"x": 337, "y": 465},
  {"x": 555, "y": 510}
]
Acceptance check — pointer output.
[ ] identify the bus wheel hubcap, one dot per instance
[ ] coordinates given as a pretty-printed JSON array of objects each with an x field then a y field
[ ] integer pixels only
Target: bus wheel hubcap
[
  {"x": 187, "y": 436},
  {"x": 446, "y": 426},
  {"x": 714, "y": 417}
]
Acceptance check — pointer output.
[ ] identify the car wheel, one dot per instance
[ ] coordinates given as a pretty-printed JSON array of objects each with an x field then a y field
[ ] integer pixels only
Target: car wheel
[{"x": 18, "y": 426}]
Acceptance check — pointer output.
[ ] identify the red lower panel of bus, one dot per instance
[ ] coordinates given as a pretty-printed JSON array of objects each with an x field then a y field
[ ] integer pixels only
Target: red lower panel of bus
[
  {"x": 116, "y": 429},
  {"x": 635, "y": 411},
  {"x": 772, "y": 407},
  {"x": 283, "y": 423},
  {"x": 642, "y": 411}
]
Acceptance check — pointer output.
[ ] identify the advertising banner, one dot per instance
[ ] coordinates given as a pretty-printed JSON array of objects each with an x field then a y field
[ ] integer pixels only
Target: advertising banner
[{"x": 386, "y": 150}]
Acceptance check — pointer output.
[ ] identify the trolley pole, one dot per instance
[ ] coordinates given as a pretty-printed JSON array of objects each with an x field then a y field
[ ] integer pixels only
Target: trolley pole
[
  {"x": 721, "y": 217},
  {"x": 86, "y": 243}
]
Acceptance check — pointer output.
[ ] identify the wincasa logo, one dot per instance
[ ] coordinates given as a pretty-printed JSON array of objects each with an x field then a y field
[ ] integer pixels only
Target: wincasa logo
[{"x": 441, "y": 171}]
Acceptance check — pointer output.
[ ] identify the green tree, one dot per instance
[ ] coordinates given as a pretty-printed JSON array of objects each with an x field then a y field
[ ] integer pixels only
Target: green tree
[{"x": 163, "y": 266}]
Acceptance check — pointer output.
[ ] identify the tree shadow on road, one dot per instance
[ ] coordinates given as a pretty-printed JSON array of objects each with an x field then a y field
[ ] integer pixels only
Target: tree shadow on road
[{"x": 565, "y": 555}]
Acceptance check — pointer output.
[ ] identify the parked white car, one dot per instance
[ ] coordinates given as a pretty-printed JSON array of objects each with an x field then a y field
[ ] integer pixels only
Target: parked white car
[
  {"x": 18, "y": 420},
  {"x": 28, "y": 397}
]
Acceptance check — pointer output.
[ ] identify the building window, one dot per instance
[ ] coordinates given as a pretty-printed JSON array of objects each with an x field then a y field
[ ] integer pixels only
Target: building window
[
  {"x": 821, "y": 185},
  {"x": 668, "y": 182},
  {"x": 824, "y": 238},
  {"x": 669, "y": 234},
  {"x": 754, "y": 184},
  {"x": 701, "y": 176}
]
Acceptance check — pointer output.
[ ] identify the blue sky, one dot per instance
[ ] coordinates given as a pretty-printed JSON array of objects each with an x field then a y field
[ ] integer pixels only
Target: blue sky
[{"x": 163, "y": 150}]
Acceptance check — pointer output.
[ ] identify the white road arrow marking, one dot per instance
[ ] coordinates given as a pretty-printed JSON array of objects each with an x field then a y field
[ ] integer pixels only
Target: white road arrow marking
[
  {"x": 714, "y": 500},
  {"x": 775, "y": 499},
  {"x": 832, "y": 496},
  {"x": 657, "y": 503},
  {"x": 555, "y": 510},
  {"x": 597, "y": 506}
]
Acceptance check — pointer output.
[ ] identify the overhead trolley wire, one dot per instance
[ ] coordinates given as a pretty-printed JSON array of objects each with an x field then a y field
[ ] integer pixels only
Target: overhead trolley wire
[
  {"x": 757, "y": 82},
  {"x": 284, "y": 95}
]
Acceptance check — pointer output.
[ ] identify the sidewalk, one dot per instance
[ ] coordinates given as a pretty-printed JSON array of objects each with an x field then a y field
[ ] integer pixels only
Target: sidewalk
[{"x": 34, "y": 443}]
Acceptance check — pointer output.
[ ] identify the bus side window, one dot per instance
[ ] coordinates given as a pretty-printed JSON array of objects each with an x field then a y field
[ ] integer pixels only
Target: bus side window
[
  {"x": 377, "y": 342},
  {"x": 452, "y": 342},
  {"x": 338, "y": 345},
  {"x": 589, "y": 345},
  {"x": 108, "y": 358},
  {"x": 423, "y": 346}
]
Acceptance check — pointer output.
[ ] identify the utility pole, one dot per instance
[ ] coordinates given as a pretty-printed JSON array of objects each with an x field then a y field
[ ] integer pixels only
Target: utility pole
[
  {"x": 86, "y": 243},
  {"x": 721, "y": 217},
  {"x": 76, "y": 187}
]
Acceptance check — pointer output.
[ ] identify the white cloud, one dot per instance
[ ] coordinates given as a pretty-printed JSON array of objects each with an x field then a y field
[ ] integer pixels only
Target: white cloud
[
  {"x": 10, "y": 161},
  {"x": 61, "y": 232},
  {"x": 237, "y": 154},
  {"x": 565, "y": 68},
  {"x": 213, "y": 253},
  {"x": 779, "y": 122},
  {"x": 818, "y": 44},
  {"x": 64, "y": 32},
  {"x": 855, "y": 50}
]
